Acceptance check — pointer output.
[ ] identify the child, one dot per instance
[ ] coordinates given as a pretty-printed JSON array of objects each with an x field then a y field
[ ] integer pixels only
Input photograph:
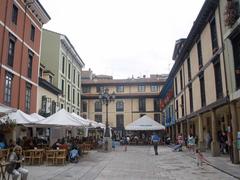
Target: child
[{"x": 200, "y": 158}]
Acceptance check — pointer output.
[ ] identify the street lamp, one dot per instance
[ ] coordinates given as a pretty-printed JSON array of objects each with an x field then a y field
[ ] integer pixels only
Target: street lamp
[{"x": 105, "y": 98}]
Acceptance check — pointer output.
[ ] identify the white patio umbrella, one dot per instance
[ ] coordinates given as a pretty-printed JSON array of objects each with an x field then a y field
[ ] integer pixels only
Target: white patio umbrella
[{"x": 37, "y": 116}]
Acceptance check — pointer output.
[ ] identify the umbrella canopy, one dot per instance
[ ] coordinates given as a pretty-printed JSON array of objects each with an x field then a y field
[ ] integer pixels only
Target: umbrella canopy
[
  {"x": 5, "y": 110},
  {"x": 22, "y": 118},
  {"x": 144, "y": 123},
  {"x": 37, "y": 116},
  {"x": 81, "y": 119},
  {"x": 61, "y": 118}
]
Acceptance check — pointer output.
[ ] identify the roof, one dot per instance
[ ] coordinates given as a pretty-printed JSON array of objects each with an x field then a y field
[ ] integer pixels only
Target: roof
[
  {"x": 48, "y": 86},
  {"x": 123, "y": 81}
]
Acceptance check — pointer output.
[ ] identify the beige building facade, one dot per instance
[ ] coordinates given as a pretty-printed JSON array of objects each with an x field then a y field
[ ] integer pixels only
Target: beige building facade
[
  {"x": 199, "y": 79},
  {"x": 133, "y": 99}
]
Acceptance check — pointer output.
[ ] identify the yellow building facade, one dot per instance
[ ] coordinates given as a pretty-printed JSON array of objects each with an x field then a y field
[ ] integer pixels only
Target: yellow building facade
[{"x": 133, "y": 99}]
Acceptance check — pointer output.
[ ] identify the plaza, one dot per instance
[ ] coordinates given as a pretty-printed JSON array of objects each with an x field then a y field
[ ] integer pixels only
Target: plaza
[{"x": 139, "y": 162}]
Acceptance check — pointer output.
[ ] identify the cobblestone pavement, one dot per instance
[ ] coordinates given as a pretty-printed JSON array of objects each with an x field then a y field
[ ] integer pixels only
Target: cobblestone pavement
[{"x": 138, "y": 163}]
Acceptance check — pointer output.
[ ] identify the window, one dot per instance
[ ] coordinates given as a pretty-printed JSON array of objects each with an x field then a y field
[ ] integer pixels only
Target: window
[
  {"x": 30, "y": 62},
  {"x": 141, "y": 88},
  {"x": 61, "y": 106},
  {"x": 53, "y": 107},
  {"x": 11, "y": 49},
  {"x": 63, "y": 64},
  {"x": 73, "y": 96},
  {"x": 98, "y": 118},
  {"x": 84, "y": 106},
  {"x": 44, "y": 104},
  {"x": 236, "y": 50},
  {"x": 99, "y": 88},
  {"x": 86, "y": 89},
  {"x": 182, "y": 105},
  {"x": 40, "y": 72},
  {"x": 202, "y": 89},
  {"x": 176, "y": 88},
  {"x": 69, "y": 93},
  {"x": 119, "y": 106},
  {"x": 98, "y": 106},
  {"x": 156, "y": 104},
  {"x": 190, "y": 98},
  {"x": 177, "y": 109},
  {"x": 120, "y": 88},
  {"x": 78, "y": 80},
  {"x": 32, "y": 36},
  {"x": 199, "y": 51},
  {"x": 62, "y": 87},
  {"x": 157, "y": 117},
  {"x": 8, "y": 88},
  {"x": 181, "y": 79},
  {"x": 78, "y": 99},
  {"x": 28, "y": 97},
  {"x": 120, "y": 121},
  {"x": 69, "y": 71},
  {"x": 218, "y": 77},
  {"x": 14, "y": 14},
  {"x": 50, "y": 79},
  {"x": 154, "y": 87},
  {"x": 142, "y": 104},
  {"x": 189, "y": 69},
  {"x": 74, "y": 76},
  {"x": 214, "y": 35},
  {"x": 68, "y": 109}
]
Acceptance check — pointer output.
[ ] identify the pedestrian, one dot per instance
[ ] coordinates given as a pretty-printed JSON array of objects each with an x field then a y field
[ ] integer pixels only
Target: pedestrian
[
  {"x": 155, "y": 140},
  {"x": 15, "y": 168},
  {"x": 200, "y": 158},
  {"x": 125, "y": 142}
]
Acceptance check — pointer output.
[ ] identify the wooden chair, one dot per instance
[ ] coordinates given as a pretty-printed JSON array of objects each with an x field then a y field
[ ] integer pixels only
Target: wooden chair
[
  {"x": 27, "y": 154},
  {"x": 50, "y": 156},
  {"x": 60, "y": 156},
  {"x": 37, "y": 156}
]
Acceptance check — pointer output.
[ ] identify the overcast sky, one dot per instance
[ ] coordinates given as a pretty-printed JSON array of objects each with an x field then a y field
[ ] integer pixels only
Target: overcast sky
[{"x": 123, "y": 37}]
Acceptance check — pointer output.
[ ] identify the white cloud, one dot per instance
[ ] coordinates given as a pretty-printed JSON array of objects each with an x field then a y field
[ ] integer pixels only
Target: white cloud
[{"x": 123, "y": 37}]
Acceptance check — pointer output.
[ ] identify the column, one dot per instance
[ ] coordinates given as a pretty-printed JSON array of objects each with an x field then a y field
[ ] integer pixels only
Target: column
[
  {"x": 214, "y": 144},
  {"x": 200, "y": 133},
  {"x": 188, "y": 127},
  {"x": 181, "y": 128},
  {"x": 234, "y": 132}
]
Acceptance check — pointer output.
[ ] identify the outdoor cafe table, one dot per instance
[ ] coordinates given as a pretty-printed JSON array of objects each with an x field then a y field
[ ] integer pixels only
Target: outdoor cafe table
[{"x": 3, "y": 169}]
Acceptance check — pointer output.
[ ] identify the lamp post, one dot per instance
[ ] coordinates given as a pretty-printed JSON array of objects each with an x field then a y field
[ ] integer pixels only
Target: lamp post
[{"x": 105, "y": 98}]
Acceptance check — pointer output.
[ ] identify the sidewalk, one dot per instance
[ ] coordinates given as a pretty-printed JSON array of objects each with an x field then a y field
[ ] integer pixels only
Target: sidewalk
[{"x": 222, "y": 163}]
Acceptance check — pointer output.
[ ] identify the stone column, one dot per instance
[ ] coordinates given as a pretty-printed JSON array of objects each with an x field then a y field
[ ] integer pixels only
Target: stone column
[
  {"x": 200, "y": 133},
  {"x": 188, "y": 127},
  {"x": 234, "y": 132},
  {"x": 214, "y": 143},
  {"x": 181, "y": 128}
]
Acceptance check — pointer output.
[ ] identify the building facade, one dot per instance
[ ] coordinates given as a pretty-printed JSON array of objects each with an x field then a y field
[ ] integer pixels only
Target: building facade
[
  {"x": 133, "y": 99},
  {"x": 198, "y": 79},
  {"x": 61, "y": 58},
  {"x": 20, "y": 33},
  {"x": 48, "y": 94}
]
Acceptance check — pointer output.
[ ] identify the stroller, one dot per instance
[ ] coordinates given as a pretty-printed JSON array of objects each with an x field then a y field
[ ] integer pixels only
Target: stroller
[{"x": 74, "y": 156}]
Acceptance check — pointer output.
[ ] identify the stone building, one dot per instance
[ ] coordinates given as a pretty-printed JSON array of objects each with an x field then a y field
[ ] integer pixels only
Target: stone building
[{"x": 133, "y": 99}]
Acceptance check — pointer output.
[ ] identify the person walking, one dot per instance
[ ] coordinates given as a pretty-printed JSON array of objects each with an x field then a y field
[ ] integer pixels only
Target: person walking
[{"x": 155, "y": 141}]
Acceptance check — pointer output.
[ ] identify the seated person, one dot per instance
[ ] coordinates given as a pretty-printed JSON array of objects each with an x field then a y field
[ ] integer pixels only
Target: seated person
[
  {"x": 57, "y": 144},
  {"x": 15, "y": 168}
]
